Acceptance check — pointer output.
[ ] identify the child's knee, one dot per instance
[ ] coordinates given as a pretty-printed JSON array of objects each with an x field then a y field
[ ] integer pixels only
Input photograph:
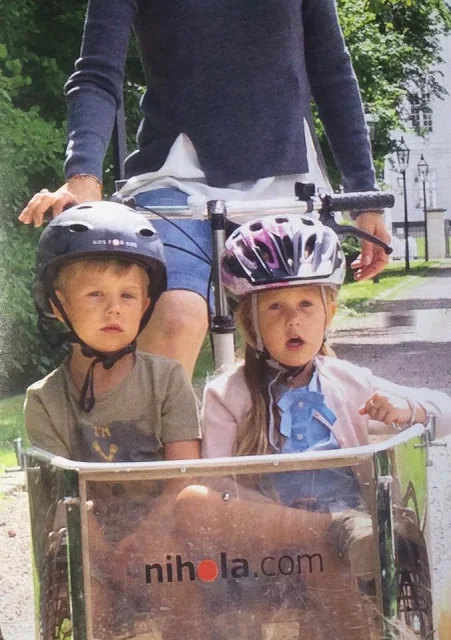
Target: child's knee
[{"x": 190, "y": 501}]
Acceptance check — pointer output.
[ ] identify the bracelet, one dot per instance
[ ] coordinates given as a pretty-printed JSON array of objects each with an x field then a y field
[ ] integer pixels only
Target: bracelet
[
  {"x": 412, "y": 408},
  {"x": 411, "y": 420},
  {"x": 86, "y": 176}
]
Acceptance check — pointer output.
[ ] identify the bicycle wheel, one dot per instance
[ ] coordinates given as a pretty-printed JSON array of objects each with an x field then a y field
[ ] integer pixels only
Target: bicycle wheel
[
  {"x": 55, "y": 618},
  {"x": 414, "y": 587}
]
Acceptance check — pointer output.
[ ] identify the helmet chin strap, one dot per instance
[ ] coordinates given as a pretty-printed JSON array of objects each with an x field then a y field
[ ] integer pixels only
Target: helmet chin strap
[{"x": 107, "y": 359}]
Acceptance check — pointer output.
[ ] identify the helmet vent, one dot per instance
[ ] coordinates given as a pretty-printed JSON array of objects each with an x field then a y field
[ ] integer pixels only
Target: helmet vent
[
  {"x": 82, "y": 207},
  {"x": 308, "y": 222},
  {"x": 148, "y": 233},
  {"x": 288, "y": 249},
  {"x": 281, "y": 220},
  {"x": 256, "y": 226},
  {"x": 78, "y": 227},
  {"x": 309, "y": 246},
  {"x": 265, "y": 251}
]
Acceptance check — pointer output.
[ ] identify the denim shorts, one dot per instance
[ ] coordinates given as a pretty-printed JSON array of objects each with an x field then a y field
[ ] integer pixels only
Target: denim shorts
[{"x": 187, "y": 242}]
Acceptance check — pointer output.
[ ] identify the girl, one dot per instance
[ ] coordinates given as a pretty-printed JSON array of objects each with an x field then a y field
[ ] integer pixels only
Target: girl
[{"x": 291, "y": 395}]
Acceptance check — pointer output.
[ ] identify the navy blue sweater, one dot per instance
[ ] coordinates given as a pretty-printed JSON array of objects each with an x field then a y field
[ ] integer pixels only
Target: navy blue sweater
[{"x": 237, "y": 76}]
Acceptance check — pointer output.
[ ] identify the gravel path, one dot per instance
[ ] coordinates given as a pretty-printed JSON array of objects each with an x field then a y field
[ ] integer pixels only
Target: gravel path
[
  {"x": 16, "y": 582},
  {"x": 417, "y": 351}
]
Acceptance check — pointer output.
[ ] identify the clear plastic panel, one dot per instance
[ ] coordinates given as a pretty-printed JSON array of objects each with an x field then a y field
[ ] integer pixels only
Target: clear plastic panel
[
  {"x": 49, "y": 548},
  {"x": 224, "y": 558},
  {"x": 274, "y": 555}
]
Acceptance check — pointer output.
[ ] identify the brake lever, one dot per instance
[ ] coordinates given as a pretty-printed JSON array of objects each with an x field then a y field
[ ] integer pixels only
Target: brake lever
[{"x": 351, "y": 230}]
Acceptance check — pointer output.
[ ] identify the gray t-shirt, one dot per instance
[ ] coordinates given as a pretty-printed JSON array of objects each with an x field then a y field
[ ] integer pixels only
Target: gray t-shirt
[{"x": 154, "y": 404}]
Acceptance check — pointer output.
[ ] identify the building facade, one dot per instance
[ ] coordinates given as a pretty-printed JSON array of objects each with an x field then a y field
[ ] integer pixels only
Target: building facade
[{"x": 431, "y": 118}]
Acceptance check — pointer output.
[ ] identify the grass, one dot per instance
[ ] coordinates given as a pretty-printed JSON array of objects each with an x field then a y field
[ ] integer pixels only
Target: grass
[
  {"x": 354, "y": 296},
  {"x": 11, "y": 427}
]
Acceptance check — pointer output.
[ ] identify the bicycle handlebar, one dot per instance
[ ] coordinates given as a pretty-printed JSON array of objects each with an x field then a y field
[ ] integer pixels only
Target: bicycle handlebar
[
  {"x": 306, "y": 202},
  {"x": 365, "y": 201},
  {"x": 368, "y": 201}
]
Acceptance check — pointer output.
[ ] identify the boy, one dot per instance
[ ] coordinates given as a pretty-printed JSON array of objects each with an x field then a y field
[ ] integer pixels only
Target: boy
[{"x": 100, "y": 271}]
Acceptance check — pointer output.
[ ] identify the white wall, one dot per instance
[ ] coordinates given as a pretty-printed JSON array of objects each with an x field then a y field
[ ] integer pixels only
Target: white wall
[{"x": 436, "y": 147}]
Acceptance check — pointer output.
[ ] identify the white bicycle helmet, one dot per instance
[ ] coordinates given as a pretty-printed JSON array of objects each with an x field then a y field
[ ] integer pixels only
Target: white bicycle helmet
[{"x": 281, "y": 251}]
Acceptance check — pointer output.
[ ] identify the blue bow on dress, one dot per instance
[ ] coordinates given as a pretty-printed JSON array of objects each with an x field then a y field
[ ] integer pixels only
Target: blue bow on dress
[{"x": 300, "y": 406}]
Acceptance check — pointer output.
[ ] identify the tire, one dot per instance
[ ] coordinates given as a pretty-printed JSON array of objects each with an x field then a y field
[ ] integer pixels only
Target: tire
[
  {"x": 414, "y": 586},
  {"x": 55, "y": 616}
]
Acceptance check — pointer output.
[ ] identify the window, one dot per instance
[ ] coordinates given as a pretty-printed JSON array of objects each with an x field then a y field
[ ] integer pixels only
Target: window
[
  {"x": 431, "y": 191},
  {"x": 421, "y": 112}
]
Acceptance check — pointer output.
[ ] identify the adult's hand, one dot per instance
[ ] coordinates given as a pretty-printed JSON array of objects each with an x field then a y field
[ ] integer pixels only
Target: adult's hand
[
  {"x": 78, "y": 189},
  {"x": 372, "y": 258}
]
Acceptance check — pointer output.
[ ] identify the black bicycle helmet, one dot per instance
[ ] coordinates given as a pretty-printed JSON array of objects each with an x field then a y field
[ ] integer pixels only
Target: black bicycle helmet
[{"x": 97, "y": 230}]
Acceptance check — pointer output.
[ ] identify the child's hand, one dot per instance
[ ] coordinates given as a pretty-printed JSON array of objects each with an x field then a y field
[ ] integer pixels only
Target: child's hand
[{"x": 391, "y": 409}]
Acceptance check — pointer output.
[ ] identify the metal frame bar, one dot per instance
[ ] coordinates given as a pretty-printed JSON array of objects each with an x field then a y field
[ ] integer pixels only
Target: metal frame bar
[
  {"x": 244, "y": 464},
  {"x": 386, "y": 540},
  {"x": 75, "y": 554}
]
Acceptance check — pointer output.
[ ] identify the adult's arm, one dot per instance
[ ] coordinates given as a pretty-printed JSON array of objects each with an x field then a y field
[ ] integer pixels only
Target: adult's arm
[
  {"x": 94, "y": 90},
  {"x": 336, "y": 93}
]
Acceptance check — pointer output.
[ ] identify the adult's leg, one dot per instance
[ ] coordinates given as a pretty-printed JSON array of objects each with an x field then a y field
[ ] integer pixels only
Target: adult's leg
[
  {"x": 177, "y": 328},
  {"x": 180, "y": 320}
]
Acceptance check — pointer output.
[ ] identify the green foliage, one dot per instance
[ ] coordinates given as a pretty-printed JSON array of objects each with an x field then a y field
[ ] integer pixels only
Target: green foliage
[
  {"x": 11, "y": 423},
  {"x": 30, "y": 156},
  {"x": 351, "y": 249}
]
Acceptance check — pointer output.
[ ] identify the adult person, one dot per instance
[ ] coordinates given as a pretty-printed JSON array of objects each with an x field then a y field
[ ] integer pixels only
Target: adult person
[{"x": 227, "y": 106}]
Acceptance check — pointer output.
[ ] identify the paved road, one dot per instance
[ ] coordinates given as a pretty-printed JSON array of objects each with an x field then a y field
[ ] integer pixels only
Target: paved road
[{"x": 417, "y": 352}]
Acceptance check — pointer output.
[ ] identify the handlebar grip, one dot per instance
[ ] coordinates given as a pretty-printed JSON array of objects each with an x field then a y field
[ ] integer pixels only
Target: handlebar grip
[{"x": 367, "y": 200}]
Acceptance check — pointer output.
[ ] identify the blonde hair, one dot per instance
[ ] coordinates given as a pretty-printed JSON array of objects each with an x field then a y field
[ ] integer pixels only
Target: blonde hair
[
  {"x": 73, "y": 268},
  {"x": 252, "y": 434}
]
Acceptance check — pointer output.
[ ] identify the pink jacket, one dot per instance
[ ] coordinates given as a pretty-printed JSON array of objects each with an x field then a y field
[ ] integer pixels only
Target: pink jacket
[{"x": 346, "y": 388}]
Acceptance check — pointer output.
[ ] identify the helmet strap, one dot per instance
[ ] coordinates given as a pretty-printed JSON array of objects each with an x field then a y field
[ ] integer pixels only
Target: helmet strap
[
  {"x": 259, "y": 346},
  {"x": 108, "y": 360}
]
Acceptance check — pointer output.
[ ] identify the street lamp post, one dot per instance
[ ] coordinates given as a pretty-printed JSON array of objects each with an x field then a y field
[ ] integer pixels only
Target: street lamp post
[
  {"x": 423, "y": 170},
  {"x": 403, "y": 156}
]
